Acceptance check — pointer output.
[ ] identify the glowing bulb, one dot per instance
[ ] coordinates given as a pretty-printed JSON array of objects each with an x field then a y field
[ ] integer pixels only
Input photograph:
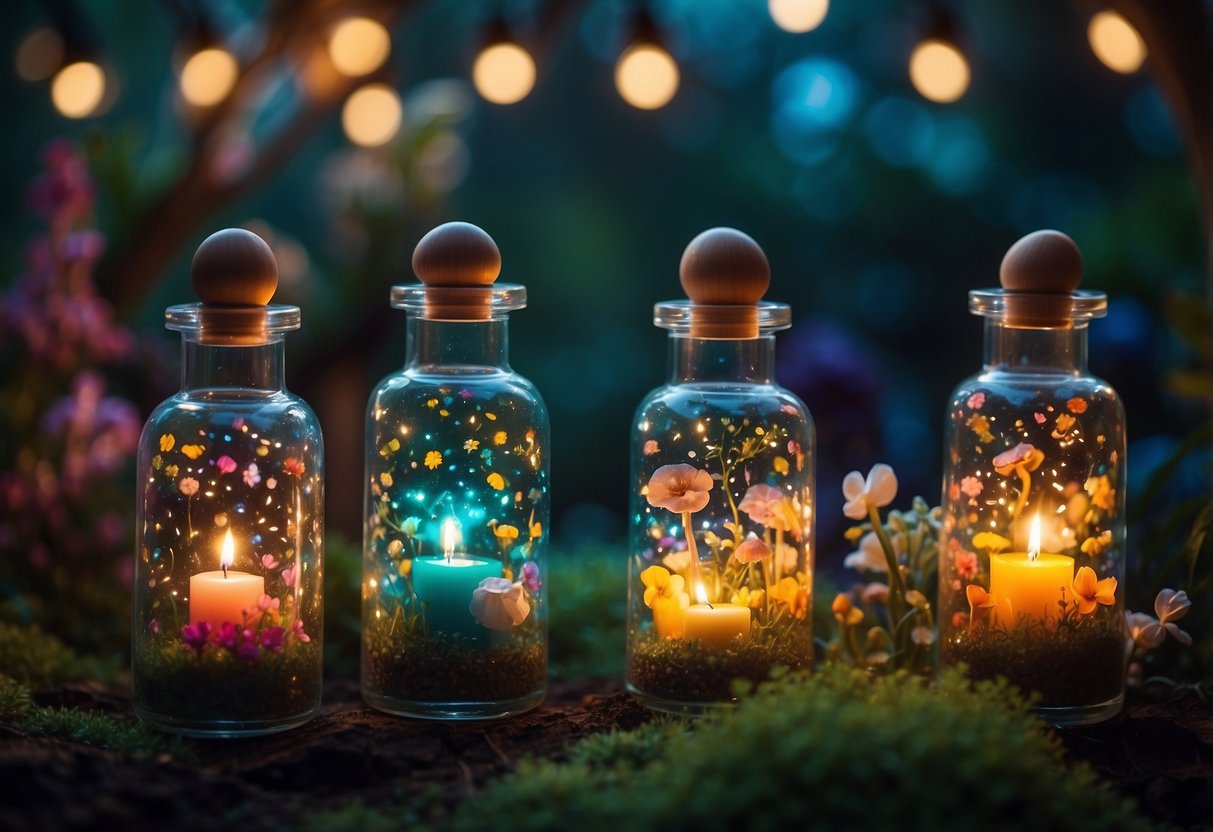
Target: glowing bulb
[
  {"x": 372, "y": 115},
  {"x": 701, "y": 594},
  {"x": 798, "y": 15},
  {"x": 227, "y": 553},
  {"x": 939, "y": 71},
  {"x": 504, "y": 73},
  {"x": 359, "y": 46},
  {"x": 449, "y": 536},
  {"x": 78, "y": 88},
  {"x": 39, "y": 55},
  {"x": 1034, "y": 539},
  {"x": 646, "y": 76},
  {"x": 1116, "y": 43},
  {"x": 208, "y": 76}
]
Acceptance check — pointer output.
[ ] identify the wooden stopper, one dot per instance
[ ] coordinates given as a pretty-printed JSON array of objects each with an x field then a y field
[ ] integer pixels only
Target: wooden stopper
[
  {"x": 457, "y": 261},
  {"x": 724, "y": 273},
  {"x": 1039, "y": 274},
  {"x": 234, "y": 274}
]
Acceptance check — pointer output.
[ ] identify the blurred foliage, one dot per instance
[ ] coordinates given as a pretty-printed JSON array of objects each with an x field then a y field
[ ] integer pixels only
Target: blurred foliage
[{"x": 38, "y": 660}]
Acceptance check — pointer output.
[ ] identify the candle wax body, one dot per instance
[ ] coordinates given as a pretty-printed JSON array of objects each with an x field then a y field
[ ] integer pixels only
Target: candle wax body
[
  {"x": 717, "y": 625},
  {"x": 1033, "y": 587},
  {"x": 216, "y": 598},
  {"x": 445, "y": 587}
]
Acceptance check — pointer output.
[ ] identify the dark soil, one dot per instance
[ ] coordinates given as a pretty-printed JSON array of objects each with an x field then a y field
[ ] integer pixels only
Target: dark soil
[{"x": 1158, "y": 752}]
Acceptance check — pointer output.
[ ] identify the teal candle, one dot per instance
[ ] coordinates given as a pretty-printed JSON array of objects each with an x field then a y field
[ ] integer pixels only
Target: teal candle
[{"x": 445, "y": 586}]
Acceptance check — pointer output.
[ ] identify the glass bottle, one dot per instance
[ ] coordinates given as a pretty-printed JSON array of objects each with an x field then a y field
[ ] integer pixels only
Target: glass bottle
[
  {"x": 720, "y": 568},
  {"x": 1032, "y": 552},
  {"x": 454, "y": 612},
  {"x": 228, "y": 596}
]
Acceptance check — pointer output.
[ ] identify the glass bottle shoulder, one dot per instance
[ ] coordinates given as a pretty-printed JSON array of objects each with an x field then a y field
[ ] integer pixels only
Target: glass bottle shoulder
[
  {"x": 406, "y": 389},
  {"x": 1022, "y": 389},
  {"x": 694, "y": 400},
  {"x": 277, "y": 413}
]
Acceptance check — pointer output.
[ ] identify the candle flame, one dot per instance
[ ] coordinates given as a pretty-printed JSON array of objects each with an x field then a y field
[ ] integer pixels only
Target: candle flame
[
  {"x": 701, "y": 594},
  {"x": 1034, "y": 539},
  {"x": 449, "y": 537},
  {"x": 227, "y": 553}
]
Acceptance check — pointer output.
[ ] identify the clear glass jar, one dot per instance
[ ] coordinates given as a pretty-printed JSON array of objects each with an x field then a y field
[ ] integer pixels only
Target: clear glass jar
[
  {"x": 1032, "y": 551},
  {"x": 454, "y": 607},
  {"x": 720, "y": 571},
  {"x": 228, "y": 606}
]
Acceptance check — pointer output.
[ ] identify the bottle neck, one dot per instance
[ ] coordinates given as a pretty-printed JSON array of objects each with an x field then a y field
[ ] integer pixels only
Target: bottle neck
[
  {"x": 749, "y": 360},
  {"x": 255, "y": 368},
  {"x": 1052, "y": 350},
  {"x": 441, "y": 346}
]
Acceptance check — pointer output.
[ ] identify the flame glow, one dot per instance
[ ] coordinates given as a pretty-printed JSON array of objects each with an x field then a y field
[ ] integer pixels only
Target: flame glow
[
  {"x": 449, "y": 536},
  {"x": 1034, "y": 539},
  {"x": 227, "y": 553},
  {"x": 701, "y": 594}
]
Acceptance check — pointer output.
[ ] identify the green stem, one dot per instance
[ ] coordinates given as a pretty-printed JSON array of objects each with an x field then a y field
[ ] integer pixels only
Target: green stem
[
  {"x": 693, "y": 548},
  {"x": 897, "y": 592}
]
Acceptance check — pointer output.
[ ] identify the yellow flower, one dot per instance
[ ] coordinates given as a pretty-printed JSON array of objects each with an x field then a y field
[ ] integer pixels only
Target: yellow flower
[
  {"x": 433, "y": 459},
  {"x": 386, "y": 479},
  {"x": 157, "y": 462},
  {"x": 1064, "y": 422},
  {"x": 506, "y": 535},
  {"x": 1089, "y": 592},
  {"x": 748, "y": 598},
  {"x": 432, "y": 403},
  {"x": 1103, "y": 495},
  {"x": 167, "y": 441},
  {"x": 405, "y": 567},
  {"x": 662, "y": 587},
  {"x": 192, "y": 451},
  {"x": 1096, "y": 545},
  {"x": 391, "y": 446},
  {"x": 170, "y": 471},
  {"x": 847, "y": 613},
  {"x": 471, "y": 445},
  {"x": 853, "y": 534},
  {"x": 796, "y": 597},
  {"x": 986, "y": 608},
  {"x": 780, "y": 464},
  {"x": 989, "y": 540},
  {"x": 980, "y": 425},
  {"x": 496, "y": 480},
  {"x": 499, "y": 438},
  {"x": 536, "y": 531}
]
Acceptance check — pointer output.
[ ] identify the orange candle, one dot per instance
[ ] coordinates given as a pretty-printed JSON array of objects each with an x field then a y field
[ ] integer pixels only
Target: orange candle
[
  {"x": 1033, "y": 582},
  {"x": 225, "y": 594},
  {"x": 716, "y": 625}
]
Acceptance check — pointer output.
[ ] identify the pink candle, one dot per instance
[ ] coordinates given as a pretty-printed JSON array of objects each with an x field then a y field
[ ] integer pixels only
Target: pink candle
[{"x": 225, "y": 594}]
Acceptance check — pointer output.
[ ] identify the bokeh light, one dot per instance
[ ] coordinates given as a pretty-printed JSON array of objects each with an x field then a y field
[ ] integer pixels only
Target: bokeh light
[
  {"x": 371, "y": 116},
  {"x": 1116, "y": 43},
  {"x": 813, "y": 101},
  {"x": 78, "y": 89},
  {"x": 646, "y": 76},
  {"x": 798, "y": 16},
  {"x": 939, "y": 71},
  {"x": 208, "y": 77},
  {"x": 504, "y": 73},
  {"x": 359, "y": 46},
  {"x": 39, "y": 54}
]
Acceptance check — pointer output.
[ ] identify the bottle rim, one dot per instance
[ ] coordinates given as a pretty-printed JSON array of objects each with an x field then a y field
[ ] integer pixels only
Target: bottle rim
[
  {"x": 1085, "y": 304},
  {"x": 187, "y": 317},
  {"x": 675, "y": 315},
  {"x": 501, "y": 298}
]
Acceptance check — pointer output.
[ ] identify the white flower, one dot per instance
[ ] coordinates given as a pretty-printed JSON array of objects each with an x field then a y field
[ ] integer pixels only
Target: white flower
[
  {"x": 499, "y": 604},
  {"x": 788, "y": 558},
  {"x": 252, "y": 476},
  {"x": 1172, "y": 606},
  {"x": 679, "y": 561},
  {"x": 877, "y": 491},
  {"x": 922, "y": 635},
  {"x": 1143, "y": 631},
  {"x": 869, "y": 557}
]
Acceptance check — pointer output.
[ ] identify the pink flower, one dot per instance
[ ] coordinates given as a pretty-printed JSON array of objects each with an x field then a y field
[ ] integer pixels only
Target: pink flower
[
  {"x": 269, "y": 561},
  {"x": 228, "y": 636},
  {"x": 225, "y": 464},
  {"x": 251, "y": 475},
  {"x": 499, "y": 604},
  {"x": 651, "y": 447},
  {"x": 195, "y": 636},
  {"x": 266, "y": 603},
  {"x": 1172, "y": 606},
  {"x": 298, "y": 633},
  {"x": 238, "y": 422},
  {"x": 530, "y": 576},
  {"x": 271, "y": 483},
  {"x": 188, "y": 486},
  {"x": 761, "y": 503},
  {"x": 876, "y": 593},
  {"x": 976, "y": 400},
  {"x": 877, "y": 491},
  {"x": 679, "y": 488},
  {"x": 289, "y": 574},
  {"x": 964, "y": 562},
  {"x": 752, "y": 550},
  {"x": 970, "y": 486},
  {"x": 1024, "y": 455}
]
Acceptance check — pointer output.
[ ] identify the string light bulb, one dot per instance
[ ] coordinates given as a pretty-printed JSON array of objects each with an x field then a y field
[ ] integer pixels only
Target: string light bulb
[
  {"x": 208, "y": 76},
  {"x": 372, "y": 115},
  {"x": 939, "y": 71},
  {"x": 358, "y": 46},
  {"x": 503, "y": 72},
  {"x": 78, "y": 89},
  {"x": 1116, "y": 43},
  {"x": 798, "y": 16}
]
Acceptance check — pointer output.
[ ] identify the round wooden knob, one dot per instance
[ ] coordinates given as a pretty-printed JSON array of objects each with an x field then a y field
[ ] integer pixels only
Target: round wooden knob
[
  {"x": 234, "y": 267},
  {"x": 456, "y": 261},
  {"x": 725, "y": 274},
  {"x": 1039, "y": 274}
]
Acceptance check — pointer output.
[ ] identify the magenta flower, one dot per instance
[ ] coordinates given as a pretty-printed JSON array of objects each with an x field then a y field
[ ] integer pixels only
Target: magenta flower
[
  {"x": 228, "y": 636},
  {"x": 154, "y": 627},
  {"x": 976, "y": 400},
  {"x": 196, "y": 635},
  {"x": 273, "y": 638},
  {"x": 269, "y": 561},
  {"x": 530, "y": 576},
  {"x": 247, "y": 649},
  {"x": 225, "y": 464},
  {"x": 297, "y": 631},
  {"x": 289, "y": 575}
]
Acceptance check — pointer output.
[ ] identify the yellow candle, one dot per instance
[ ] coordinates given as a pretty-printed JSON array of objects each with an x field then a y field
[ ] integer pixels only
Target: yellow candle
[
  {"x": 669, "y": 619},
  {"x": 716, "y": 625},
  {"x": 1033, "y": 582},
  {"x": 225, "y": 594}
]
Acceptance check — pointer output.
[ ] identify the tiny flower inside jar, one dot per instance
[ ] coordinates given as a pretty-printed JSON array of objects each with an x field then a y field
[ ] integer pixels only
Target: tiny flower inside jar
[{"x": 679, "y": 488}]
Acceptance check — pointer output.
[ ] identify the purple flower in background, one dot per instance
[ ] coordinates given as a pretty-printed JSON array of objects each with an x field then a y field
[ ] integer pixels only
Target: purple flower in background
[
  {"x": 153, "y": 627},
  {"x": 247, "y": 649},
  {"x": 229, "y": 635},
  {"x": 196, "y": 635},
  {"x": 530, "y": 576},
  {"x": 273, "y": 638}
]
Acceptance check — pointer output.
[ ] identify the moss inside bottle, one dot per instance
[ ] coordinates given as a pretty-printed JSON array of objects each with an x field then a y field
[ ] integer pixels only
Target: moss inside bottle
[
  {"x": 228, "y": 589},
  {"x": 454, "y": 581},
  {"x": 1032, "y": 552},
  {"x": 720, "y": 568}
]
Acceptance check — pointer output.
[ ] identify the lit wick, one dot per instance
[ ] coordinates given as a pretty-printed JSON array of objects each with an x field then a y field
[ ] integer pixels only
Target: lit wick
[
  {"x": 227, "y": 553},
  {"x": 450, "y": 536},
  {"x": 702, "y": 597},
  {"x": 1034, "y": 539}
]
